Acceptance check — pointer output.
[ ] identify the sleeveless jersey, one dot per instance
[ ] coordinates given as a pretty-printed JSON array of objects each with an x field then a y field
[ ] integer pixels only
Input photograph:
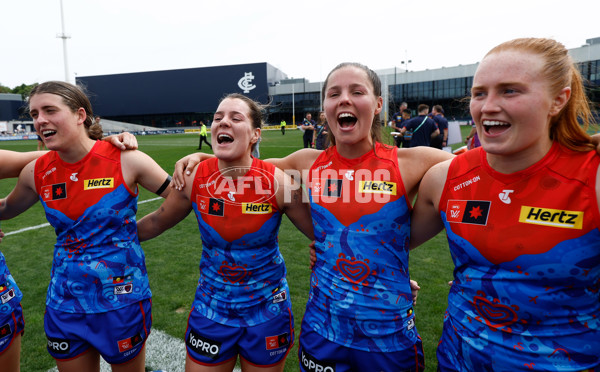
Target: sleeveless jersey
[
  {"x": 360, "y": 294},
  {"x": 10, "y": 294},
  {"x": 98, "y": 262},
  {"x": 526, "y": 249},
  {"x": 242, "y": 273}
]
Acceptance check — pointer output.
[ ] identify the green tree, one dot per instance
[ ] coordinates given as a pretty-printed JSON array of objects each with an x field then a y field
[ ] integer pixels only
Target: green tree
[{"x": 24, "y": 90}]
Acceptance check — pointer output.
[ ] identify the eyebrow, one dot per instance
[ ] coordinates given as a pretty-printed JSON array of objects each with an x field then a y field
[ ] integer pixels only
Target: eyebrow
[{"x": 232, "y": 112}]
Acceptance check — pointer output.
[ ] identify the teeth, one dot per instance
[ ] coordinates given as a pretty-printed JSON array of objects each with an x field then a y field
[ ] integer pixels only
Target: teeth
[
  {"x": 345, "y": 115},
  {"x": 48, "y": 132},
  {"x": 225, "y": 136},
  {"x": 493, "y": 122}
]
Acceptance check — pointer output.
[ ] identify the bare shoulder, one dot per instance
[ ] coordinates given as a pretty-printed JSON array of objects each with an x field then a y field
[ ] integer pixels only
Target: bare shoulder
[
  {"x": 299, "y": 160},
  {"x": 428, "y": 156},
  {"x": 414, "y": 162}
]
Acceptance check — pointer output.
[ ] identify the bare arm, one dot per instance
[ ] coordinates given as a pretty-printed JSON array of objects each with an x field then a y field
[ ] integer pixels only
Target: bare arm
[
  {"x": 289, "y": 196},
  {"x": 141, "y": 169},
  {"x": 185, "y": 166},
  {"x": 174, "y": 209},
  {"x": 23, "y": 196},
  {"x": 425, "y": 218},
  {"x": 12, "y": 162}
]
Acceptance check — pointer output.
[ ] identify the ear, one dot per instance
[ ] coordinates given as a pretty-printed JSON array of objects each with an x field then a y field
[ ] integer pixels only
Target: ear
[
  {"x": 255, "y": 135},
  {"x": 560, "y": 101},
  {"x": 379, "y": 105},
  {"x": 81, "y": 115}
]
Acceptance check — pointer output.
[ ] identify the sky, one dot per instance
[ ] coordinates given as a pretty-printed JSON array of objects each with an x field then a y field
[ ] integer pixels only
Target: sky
[{"x": 304, "y": 39}]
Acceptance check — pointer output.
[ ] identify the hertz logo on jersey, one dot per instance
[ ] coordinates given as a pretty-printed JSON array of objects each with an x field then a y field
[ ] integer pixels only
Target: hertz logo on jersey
[
  {"x": 551, "y": 217},
  {"x": 99, "y": 183},
  {"x": 378, "y": 187},
  {"x": 256, "y": 208}
]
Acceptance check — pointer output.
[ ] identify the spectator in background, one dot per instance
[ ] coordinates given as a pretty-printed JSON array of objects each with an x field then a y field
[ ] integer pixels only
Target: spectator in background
[
  {"x": 321, "y": 131},
  {"x": 308, "y": 126},
  {"x": 441, "y": 140},
  {"x": 421, "y": 127},
  {"x": 472, "y": 139},
  {"x": 397, "y": 120}
]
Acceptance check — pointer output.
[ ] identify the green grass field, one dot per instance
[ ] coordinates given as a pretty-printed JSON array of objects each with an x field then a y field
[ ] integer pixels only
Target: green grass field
[{"x": 172, "y": 259}]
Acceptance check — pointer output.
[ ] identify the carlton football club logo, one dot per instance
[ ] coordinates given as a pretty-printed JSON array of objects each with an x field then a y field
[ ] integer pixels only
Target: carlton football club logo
[{"x": 245, "y": 83}]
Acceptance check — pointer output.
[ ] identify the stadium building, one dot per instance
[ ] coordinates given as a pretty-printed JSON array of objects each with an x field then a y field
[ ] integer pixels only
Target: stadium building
[{"x": 182, "y": 98}]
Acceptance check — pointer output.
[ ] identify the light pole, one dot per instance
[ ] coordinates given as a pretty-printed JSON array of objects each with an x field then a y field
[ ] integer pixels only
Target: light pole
[
  {"x": 293, "y": 107},
  {"x": 406, "y": 61},
  {"x": 64, "y": 38}
]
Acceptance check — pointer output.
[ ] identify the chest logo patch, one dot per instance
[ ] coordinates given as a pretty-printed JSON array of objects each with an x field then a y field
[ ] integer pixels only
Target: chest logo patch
[
  {"x": 378, "y": 187},
  {"x": 99, "y": 183},
  {"x": 256, "y": 208},
  {"x": 54, "y": 192},
  {"x": 551, "y": 217},
  {"x": 468, "y": 211}
]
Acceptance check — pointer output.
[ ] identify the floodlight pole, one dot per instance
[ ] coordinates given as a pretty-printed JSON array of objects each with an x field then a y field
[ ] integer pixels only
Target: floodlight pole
[
  {"x": 64, "y": 38},
  {"x": 293, "y": 106}
]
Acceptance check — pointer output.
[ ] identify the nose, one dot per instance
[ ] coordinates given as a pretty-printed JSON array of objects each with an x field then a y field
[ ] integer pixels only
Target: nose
[{"x": 491, "y": 103}]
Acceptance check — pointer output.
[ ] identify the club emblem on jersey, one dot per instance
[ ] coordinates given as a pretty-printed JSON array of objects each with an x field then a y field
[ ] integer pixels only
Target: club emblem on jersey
[
  {"x": 211, "y": 206},
  {"x": 54, "y": 192},
  {"x": 473, "y": 212},
  {"x": 333, "y": 188},
  {"x": 354, "y": 271}
]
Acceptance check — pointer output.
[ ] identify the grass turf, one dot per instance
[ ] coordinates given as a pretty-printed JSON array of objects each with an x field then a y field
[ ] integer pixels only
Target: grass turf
[{"x": 172, "y": 259}]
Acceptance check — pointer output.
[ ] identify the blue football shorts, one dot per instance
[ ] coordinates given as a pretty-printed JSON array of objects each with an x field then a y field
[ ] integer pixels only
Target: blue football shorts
[
  {"x": 118, "y": 335},
  {"x": 316, "y": 353},
  {"x": 264, "y": 345},
  {"x": 11, "y": 325}
]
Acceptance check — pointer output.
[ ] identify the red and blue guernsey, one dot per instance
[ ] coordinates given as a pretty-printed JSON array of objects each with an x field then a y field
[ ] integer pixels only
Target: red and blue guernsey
[
  {"x": 10, "y": 294},
  {"x": 242, "y": 273},
  {"x": 98, "y": 262},
  {"x": 360, "y": 293},
  {"x": 526, "y": 249}
]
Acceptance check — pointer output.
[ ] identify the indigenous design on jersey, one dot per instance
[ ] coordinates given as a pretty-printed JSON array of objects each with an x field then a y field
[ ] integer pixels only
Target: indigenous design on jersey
[
  {"x": 530, "y": 299},
  {"x": 98, "y": 262},
  {"x": 360, "y": 294},
  {"x": 242, "y": 273},
  {"x": 10, "y": 294}
]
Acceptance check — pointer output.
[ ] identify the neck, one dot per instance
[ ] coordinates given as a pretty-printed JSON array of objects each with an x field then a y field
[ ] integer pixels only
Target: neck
[
  {"x": 76, "y": 151},
  {"x": 507, "y": 164},
  {"x": 353, "y": 151},
  {"x": 235, "y": 168}
]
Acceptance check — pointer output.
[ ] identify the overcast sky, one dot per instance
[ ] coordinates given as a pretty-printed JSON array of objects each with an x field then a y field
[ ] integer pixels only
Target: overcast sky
[{"x": 302, "y": 38}]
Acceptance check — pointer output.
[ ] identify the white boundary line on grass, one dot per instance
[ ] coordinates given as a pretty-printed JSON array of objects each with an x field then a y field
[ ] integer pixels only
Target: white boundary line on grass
[{"x": 165, "y": 352}]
